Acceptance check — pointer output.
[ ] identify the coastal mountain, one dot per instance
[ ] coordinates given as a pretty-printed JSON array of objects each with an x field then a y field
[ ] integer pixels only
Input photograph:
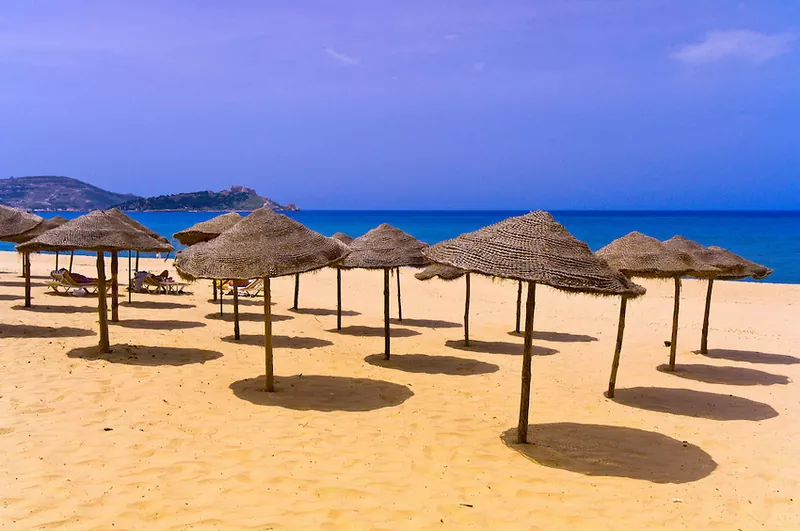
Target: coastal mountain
[
  {"x": 57, "y": 193},
  {"x": 235, "y": 198}
]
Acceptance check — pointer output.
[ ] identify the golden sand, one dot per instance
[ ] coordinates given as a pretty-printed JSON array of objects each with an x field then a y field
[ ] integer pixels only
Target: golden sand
[{"x": 170, "y": 430}]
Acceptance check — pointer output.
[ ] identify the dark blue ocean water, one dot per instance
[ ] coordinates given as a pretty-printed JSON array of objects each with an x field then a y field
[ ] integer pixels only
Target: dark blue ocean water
[{"x": 770, "y": 238}]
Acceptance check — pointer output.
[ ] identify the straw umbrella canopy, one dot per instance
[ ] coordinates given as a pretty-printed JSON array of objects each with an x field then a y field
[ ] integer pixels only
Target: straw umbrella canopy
[
  {"x": 344, "y": 238},
  {"x": 449, "y": 274},
  {"x": 535, "y": 249},
  {"x": 638, "y": 255},
  {"x": 41, "y": 228},
  {"x": 100, "y": 232},
  {"x": 386, "y": 247},
  {"x": 207, "y": 230},
  {"x": 263, "y": 245},
  {"x": 731, "y": 267},
  {"x": 14, "y": 221}
]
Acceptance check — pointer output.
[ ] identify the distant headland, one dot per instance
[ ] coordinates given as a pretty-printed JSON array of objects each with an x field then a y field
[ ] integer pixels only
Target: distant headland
[{"x": 64, "y": 194}]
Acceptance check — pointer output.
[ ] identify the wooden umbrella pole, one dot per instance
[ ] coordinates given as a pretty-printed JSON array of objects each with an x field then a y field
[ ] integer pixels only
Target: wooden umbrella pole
[
  {"x": 220, "y": 297},
  {"x": 527, "y": 355},
  {"x": 519, "y": 304},
  {"x": 338, "y": 298},
  {"x": 114, "y": 287},
  {"x": 296, "y": 290},
  {"x": 56, "y": 260},
  {"x": 399, "y": 302},
  {"x": 673, "y": 344},
  {"x": 102, "y": 309},
  {"x": 137, "y": 261},
  {"x": 71, "y": 257},
  {"x": 130, "y": 280},
  {"x": 466, "y": 313},
  {"x": 26, "y": 270},
  {"x": 236, "y": 310},
  {"x": 704, "y": 336},
  {"x": 612, "y": 381},
  {"x": 269, "y": 384},
  {"x": 386, "y": 312},
  {"x": 214, "y": 290}
]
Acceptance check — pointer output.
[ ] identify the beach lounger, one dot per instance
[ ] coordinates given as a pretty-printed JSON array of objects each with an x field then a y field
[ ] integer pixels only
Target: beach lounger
[
  {"x": 252, "y": 288},
  {"x": 65, "y": 282},
  {"x": 145, "y": 281}
]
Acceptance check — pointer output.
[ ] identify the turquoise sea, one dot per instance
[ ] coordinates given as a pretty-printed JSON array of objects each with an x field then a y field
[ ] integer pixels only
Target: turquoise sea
[{"x": 770, "y": 238}]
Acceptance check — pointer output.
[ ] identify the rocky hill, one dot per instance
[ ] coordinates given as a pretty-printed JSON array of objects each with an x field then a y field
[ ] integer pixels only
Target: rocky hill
[
  {"x": 57, "y": 193},
  {"x": 236, "y": 198}
]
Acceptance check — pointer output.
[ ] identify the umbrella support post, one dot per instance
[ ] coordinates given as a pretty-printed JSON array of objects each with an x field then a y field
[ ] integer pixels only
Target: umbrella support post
[
  {"x": 386, "y": 353},
  {"x": 56, "y": 260},
  {"x": 466, "y": 313},
  {"x": 527, "y": 355},
  {"x": 673, "y": 344},
  {"x": 519, "y": 305},
  {"x": 236, "y": 310},
  {"x": 26, "y": 270},
  {"x": 399, "y": 302},
  {"x": 214, "y": 290},
  {"x": 220, "y": 298},
  {"x": 338, "y": 299},
  {"x": 102, "y": 308},
  {"x": 296, "y": 291},
  {"x": 71, "y": 257},
  {"x": 130, "y": 280},
  {"x": 137, "y": 261},
  {"x": 704, "y": 336},
  {"x": 269, "y": 384},
  {"x": 612, "y": 381},
  {"x": 114, "y": 287}
]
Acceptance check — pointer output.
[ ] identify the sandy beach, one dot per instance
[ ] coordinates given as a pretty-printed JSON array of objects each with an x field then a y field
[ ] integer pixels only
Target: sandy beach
[{"x": 170, "y": 431}]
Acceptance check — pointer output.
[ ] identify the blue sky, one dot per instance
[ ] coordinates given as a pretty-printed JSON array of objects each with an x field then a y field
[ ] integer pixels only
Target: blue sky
[{"x": 624, "y": 104}]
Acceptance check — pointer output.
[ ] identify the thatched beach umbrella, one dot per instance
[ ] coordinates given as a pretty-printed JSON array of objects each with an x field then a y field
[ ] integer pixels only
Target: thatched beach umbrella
[
  {"x": 731, "y": 266},
  {"x": 120, "y": 215},
  {"x": 100, "y": 232},
  {"x": 639, "y": 255},
  {"x": 345, "y": 239},
  {"x": 448, "y": 274},
  {"x": 14, "y": 221},
  {"x": 263, "y": 245},
  {"x": 535, "y": 249},
  {"x": 386, "y": 247},
  {"x": 41, "y": 228},
  {"x": 207, "y": 231}
]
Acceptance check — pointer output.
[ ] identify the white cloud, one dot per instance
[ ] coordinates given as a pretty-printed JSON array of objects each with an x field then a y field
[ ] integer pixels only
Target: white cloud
[
  {"x": 747, "y": 45},
  {"x": 479, "y": 67},
  {"x": 341, "y": 58}
]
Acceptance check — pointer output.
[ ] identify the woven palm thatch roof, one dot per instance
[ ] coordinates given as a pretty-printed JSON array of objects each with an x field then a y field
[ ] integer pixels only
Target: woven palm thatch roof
[
  {"x": 120, "y": 215},
  {"x": 639, "y": 255},
  {"x": 95, "y": 231},
  {"x": 14, "y": 221},
  {"x": 444, "y": 272},
  {"x": 207, "y": 230},
  {"x": 264, "y": 244},
  {"x": 534, "y": 248},
  {"x": 385, "y": 247},
  {"x": 731, "y": 266},
  {"x": 38, "y": 230},
  {"x": 344, "y": 238}
]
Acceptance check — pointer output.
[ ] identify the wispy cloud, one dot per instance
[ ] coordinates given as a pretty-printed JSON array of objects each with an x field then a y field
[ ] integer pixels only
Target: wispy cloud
[
  {"x": 341, "y": 58},
  {"x": 479, "y": 67},
  {"x": 746, "y": 45}
]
